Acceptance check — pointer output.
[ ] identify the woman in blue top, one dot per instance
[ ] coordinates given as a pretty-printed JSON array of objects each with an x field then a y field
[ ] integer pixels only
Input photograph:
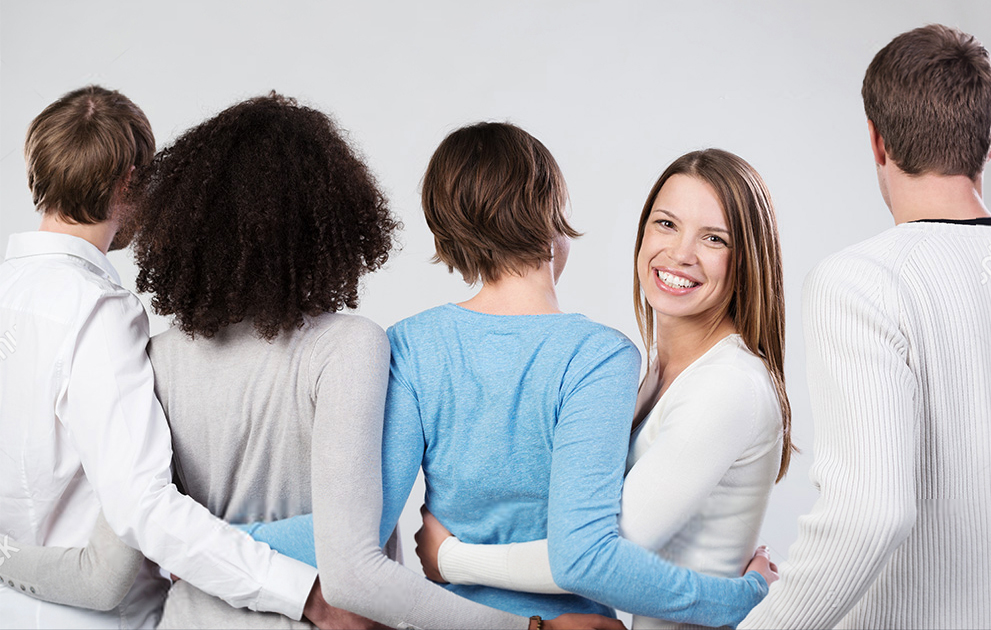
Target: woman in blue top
[{"x": 518, "y": 413}]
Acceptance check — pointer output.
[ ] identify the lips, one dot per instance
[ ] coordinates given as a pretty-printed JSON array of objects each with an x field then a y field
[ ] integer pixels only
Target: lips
[{"x": 674, "y": 283}]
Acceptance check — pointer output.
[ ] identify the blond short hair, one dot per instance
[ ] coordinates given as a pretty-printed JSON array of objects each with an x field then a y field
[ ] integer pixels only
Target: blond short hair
[{"x": 80, "y": 148}]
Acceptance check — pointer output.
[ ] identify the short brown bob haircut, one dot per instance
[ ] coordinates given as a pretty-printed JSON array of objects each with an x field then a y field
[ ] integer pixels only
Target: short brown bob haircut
[
  {"x": 495, "y": 200},
  {"x": 756, "y": 302},
  {"x": 263, "y": 213},
  {"x": 928, "y": 93},
  {"x": 80, "y": 148}
]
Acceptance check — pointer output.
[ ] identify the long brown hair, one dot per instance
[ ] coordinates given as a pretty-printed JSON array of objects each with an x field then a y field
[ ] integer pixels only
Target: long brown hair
[{"x": 756, "y": 303}]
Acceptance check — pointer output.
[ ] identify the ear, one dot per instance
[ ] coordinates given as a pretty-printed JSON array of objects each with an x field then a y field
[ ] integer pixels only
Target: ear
[{"x": 877, "y": 144}]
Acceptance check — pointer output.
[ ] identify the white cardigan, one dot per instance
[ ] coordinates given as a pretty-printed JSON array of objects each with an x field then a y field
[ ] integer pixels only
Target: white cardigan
[{"x": 701, "y": 467}]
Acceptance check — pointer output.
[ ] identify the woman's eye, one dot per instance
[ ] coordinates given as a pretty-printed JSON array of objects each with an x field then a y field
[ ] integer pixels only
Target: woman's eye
[
  {"x": 664, "y": 223},
  {"x": 712, "y": 238}
]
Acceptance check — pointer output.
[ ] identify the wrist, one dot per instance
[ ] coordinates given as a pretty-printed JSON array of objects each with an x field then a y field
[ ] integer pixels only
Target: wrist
[{"x": 536, "y": 623}]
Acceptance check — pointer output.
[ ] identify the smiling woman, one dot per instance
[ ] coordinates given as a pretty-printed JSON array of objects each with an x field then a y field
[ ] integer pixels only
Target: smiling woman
[{"x": 685, "y": 252}]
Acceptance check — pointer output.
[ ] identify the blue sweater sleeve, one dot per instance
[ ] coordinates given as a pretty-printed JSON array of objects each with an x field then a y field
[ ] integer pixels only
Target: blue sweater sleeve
[
  {"x": 403, "y": 443},
  {"x": 587, "y": 554},
  {"x": 291, "y": 537}
]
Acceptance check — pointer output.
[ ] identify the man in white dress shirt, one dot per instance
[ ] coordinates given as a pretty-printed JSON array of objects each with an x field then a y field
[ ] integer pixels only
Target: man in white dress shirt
[
  {"x": 898, "y": 335},
  {"x": 80, "y": 425}
]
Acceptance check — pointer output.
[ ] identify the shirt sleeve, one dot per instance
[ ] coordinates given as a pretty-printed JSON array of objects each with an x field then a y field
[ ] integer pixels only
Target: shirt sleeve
[
  {"x": 587, "y": 554},
  {"x": 291, "y": 537},
  {"x": 352, "y": 379},
  {"x": 114, "y": 421},
  {"x": 403, "y": 444},
  {"x": 862, "y": 393},
  {"x": 522, "y": 566},
  {"x": 96, "y": 576},
  {"x": 703, "y": 434}
]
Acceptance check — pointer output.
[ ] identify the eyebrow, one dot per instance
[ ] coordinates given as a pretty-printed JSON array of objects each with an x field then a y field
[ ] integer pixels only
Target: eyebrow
[{"x": 706, "y": 228}]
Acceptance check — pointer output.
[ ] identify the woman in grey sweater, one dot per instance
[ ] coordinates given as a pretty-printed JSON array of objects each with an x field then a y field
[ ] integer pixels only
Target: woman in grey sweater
[{"x": 255, "y": 229}]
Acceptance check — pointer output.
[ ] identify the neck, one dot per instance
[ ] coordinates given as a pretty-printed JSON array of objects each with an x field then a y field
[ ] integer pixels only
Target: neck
[
  {"x": 680, "y": 341},
  {"x": 929, "y": 196},
  {"x": 99, "y": 234},
  {"x": 532, "y": 293}
]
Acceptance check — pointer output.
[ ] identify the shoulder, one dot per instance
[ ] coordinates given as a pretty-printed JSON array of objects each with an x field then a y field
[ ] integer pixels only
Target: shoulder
[
  {"x": 594, "y": 347},
  {"x": 734, "y": 379},
  {"x": 868, "y": 266},
  {"x": 428, "y": 320},
  {"x": 346, "y": 333}
]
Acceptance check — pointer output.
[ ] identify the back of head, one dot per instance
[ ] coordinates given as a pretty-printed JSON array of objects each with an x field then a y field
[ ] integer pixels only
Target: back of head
[
  {"x": 80, "y": 148},
  {"x": 928, "y": 93},
  {"x": 262, "y": 213},
  {"x": 495, "y": 200}
]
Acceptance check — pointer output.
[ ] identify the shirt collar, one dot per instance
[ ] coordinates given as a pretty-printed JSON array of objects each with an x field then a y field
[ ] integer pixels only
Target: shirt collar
[{"x": 46, "y": 243}]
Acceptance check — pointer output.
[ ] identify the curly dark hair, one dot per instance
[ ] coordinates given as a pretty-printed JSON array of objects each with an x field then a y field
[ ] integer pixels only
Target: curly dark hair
[{"x": 262, "y": 212}]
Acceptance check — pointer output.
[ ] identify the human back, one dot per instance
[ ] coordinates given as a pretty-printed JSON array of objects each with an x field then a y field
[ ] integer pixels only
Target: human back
[
  {"x": 496, "y": 397},
  {"x": 933, "y": 474},
  {"x": 252, "y": 244},
  {"x": 241, "y": 410}
]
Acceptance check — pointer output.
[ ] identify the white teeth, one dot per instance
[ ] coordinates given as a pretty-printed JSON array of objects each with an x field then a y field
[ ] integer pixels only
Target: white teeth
[{"x": 675, "y": 282}]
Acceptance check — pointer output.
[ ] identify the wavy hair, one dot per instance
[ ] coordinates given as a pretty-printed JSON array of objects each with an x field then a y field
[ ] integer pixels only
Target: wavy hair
[{"x": 263, "y": 212}]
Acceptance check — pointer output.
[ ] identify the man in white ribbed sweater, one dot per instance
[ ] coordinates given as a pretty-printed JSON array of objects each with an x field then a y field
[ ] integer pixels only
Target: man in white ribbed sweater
[{"x": 898, "y": 335}]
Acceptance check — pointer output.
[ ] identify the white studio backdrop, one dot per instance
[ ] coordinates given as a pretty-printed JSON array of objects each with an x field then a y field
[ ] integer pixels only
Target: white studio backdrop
[{"x": 616, "y": 90}]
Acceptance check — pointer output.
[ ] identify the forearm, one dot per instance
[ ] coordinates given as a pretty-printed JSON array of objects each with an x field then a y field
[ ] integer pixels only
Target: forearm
[
  {"x": 514, "y": 566},
  {"x": 633, "y": 579},
  {"x": 291, "y": 537},
  {"x": 97, "y": 576}
]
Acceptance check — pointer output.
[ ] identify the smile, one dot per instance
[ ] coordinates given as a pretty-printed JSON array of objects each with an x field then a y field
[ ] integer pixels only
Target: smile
[{"x": 675, "y": 282}]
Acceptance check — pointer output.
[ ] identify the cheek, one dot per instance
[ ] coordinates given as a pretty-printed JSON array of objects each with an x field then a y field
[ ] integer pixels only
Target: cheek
[
  {"x": 643, "y": 263},
  {"x": 721, "y": 267}
]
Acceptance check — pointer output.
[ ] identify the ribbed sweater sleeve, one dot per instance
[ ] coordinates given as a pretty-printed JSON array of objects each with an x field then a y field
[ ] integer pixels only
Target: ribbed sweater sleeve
[
  {"x": 862, "y": 392},
  {"x": 350, "y": 373}
]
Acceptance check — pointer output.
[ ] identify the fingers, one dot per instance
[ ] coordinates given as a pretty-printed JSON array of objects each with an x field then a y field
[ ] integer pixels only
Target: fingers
[{"x": 613, "y": 624}]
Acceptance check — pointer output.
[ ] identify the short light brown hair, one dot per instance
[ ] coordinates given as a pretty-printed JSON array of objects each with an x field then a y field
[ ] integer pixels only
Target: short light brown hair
[
  {"x": 756, "y": 301},
  {"x": 928, "y": 93},
  {"x": 80, "y": 148},
  {"x": 495, "y": 199}
]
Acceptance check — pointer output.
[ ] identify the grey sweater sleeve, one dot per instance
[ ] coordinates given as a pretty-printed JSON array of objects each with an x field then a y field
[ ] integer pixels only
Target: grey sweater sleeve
[
  {"x": 349, "y": 372},
  {"x": 97, "y": 576}
]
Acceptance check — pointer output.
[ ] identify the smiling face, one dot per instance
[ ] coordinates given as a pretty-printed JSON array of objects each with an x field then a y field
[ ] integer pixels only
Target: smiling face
[{"x": 684, "y": 260}]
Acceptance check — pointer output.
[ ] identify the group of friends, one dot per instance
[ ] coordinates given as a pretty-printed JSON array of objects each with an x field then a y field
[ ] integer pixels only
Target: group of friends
[{"x": 561, "y": 484}]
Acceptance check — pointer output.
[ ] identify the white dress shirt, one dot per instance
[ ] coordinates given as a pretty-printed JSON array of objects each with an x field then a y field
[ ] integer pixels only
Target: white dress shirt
[{"x": 81, "y": 429}]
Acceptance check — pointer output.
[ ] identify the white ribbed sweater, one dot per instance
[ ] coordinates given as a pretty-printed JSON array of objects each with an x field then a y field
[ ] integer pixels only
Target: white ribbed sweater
[{"x": 898, "y": 335}]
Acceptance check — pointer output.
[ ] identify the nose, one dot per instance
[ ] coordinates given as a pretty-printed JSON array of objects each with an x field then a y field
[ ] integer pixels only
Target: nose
[{"x": 683, "y": 250}]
